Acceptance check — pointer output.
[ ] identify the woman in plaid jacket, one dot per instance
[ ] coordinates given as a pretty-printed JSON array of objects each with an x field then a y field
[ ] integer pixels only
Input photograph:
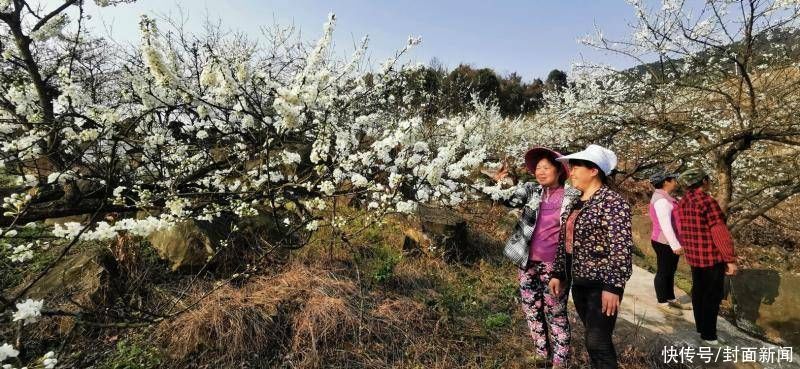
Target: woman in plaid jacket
[
  {"x": 532, "y": 247},
  {"x": 704, "y": 234}
]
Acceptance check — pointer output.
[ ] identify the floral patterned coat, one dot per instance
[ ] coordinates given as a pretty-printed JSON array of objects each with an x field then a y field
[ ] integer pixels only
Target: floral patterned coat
[{"x": 602, "y": 243}]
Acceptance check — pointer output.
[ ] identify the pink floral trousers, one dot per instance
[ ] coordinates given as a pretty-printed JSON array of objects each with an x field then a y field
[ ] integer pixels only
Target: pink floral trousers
[{"x": 546, "y": 314}]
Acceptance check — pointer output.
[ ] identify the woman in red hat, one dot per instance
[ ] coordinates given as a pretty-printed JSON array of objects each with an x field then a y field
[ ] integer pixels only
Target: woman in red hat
[{"x": 532, "y": 247}]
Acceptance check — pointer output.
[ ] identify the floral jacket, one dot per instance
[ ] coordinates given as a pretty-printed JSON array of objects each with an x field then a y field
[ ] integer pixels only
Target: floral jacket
[
  {"x": 528, "y": 197},
  {"x": 602, "y": 243}
]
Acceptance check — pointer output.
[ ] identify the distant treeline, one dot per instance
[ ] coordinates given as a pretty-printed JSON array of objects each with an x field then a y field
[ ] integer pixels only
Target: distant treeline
[{"x": 437, "y": 91}]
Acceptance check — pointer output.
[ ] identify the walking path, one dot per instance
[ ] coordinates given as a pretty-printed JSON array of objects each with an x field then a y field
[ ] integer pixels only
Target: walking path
[{"x": 640, "y": 307}]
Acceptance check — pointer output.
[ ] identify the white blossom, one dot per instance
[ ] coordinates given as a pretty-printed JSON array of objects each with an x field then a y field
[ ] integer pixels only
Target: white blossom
[
  {"x": 7, "y": 351},
  {"x": 358, "y": 180},
  {"x": 312, "y": 225},
  {"x": 49, "y": 360},
  {"x": 327, "y": 187},
  {"x": 22, "y": 253},
  {"x": 408, "y": 207},
  {"x": 67, "y": 230},
  {"x": 28, "y": 311},
  {"x": 50, "y": 29}
]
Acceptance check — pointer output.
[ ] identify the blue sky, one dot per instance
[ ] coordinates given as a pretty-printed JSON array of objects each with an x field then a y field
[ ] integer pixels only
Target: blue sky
[{"x": 529, "y": 37}]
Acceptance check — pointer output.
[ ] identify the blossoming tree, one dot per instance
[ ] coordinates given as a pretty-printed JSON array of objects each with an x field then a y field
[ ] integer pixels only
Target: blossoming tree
[
  {"x": 715, "y": 86},
  {"x": 195, "y": 128}
]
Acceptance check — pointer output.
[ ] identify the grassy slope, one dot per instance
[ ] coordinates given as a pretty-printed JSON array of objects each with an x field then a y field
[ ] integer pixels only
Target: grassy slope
[{"x": 409, "y": 312}]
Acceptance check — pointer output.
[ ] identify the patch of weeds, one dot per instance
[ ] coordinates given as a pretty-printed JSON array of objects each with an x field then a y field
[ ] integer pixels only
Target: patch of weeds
[
  {"x": 683, "y": 281},
  {"x": 382, "y": 263},
  {"x": 373, "y": 234},
  {"x": 509, "y": 292},
  {"x": 133, "y": 355},
  {"x": 497, "y": 320},
  {"x": 385, "y": 269},
  {"x": 460, "y": 299}
]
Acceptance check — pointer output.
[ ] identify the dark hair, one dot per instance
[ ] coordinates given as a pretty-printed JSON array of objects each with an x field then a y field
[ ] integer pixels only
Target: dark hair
[
  {"x": 660, "y": 185},
  {"x": 590, "y": 165},
  {"x": 559, "y": 168},
  {"x": 699, "y": 183}
]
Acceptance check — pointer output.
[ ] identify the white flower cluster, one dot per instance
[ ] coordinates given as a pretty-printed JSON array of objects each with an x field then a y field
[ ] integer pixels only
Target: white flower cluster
[
  {"x": 7, "y": 351},
  {"x": 24, "y": 147},
  {"x": 15, "y": 203},
  {"x": 51, "y": 28},
  {"x": 48, "y": 361},
  {"x": 24, "y": 99},
  {"x": 219, "y": 82},
  {"x": 152, "y": 56},
  {"x": 106, "y": 231},
  {"x": 408, "y": 207},
  {"x": 58, "y": 177},
  {"x": 28, "y": 311},
  {"x": 22, "y": 253},
  {"x": 177, "y": 207},
  {"x": 312, "y": 225}
]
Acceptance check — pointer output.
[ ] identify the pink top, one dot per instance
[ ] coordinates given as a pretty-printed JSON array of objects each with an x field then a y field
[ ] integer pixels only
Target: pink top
[
  {"x": 544, "y": 241},
  {"x": 660, "y": 210},
  {"x": 571, "y": 226}
]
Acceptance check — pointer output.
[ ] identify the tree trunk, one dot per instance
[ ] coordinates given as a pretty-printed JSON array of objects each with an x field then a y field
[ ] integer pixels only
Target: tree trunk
[{"x": 724, "y": 185}]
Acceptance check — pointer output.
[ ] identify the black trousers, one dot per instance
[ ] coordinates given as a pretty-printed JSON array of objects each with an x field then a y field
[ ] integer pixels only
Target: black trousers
[
  {"x": 707, "y": 293},
  {"x": 598, "y": 327},
  {"x": 667, "y": 263}
]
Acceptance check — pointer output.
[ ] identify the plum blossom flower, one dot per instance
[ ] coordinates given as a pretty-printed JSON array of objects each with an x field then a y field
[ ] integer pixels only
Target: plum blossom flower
[
  {"x": 49, "y": 360},
  {"x": 28, "y": 311},
  {"x": 7, "y": 351}
]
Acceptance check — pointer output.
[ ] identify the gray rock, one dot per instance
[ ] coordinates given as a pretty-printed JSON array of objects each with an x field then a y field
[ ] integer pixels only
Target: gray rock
[
  {"x": 85, "y": 277},
  {"x": 189, "y": 245}
]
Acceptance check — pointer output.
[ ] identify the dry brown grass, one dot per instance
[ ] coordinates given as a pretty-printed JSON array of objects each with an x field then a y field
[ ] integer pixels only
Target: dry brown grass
[
  {"x": 295, "y": 311},
  {"x": 324, "y": 321}
]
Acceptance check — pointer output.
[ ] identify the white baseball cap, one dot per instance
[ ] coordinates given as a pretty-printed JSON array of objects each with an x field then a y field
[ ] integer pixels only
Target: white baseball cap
[{"x": 604, "y": 158}]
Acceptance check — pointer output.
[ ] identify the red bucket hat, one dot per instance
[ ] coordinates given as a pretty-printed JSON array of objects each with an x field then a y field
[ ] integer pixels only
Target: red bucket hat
[{"x": 535, "y": 154}]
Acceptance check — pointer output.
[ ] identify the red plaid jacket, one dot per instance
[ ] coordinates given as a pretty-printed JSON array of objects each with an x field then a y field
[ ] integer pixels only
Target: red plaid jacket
[{"x": 702, "y": 231}]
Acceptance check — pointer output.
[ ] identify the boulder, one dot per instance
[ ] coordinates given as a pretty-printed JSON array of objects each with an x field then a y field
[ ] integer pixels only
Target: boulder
[
  {"x": 85, "y": 277},
  {"x": 415, "y": 242},
  {"x": 189, "y": 245}
]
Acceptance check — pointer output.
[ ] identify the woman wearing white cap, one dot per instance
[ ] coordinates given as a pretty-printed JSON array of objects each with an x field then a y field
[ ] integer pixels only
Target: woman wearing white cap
[
  {"x": 532, "y": 247},
  {"x": 596, "y": 236}
]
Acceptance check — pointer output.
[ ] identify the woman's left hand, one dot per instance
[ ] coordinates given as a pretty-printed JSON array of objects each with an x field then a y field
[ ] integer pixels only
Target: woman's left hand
[{"x": 610, "y": 303}]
